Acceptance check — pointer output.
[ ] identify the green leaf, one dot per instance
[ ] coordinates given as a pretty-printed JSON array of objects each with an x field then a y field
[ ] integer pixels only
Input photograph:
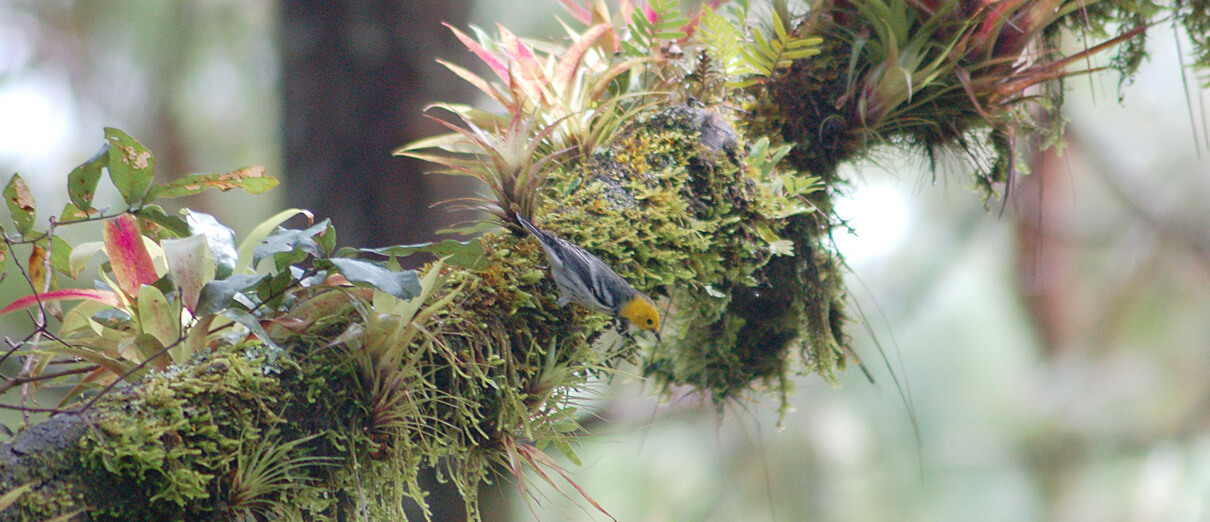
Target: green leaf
[
  {"x": 12, "y": 495},
  {"x": 404, "y": 285},
  {"x": 567, "y": 451},
  {"x": 216, "y": 295},
  {"x": 82, "y": 182},
  {"x": 460, "y": 253},
  {"x": 72, "y": 213},
  {"x": 221, "y": 241},
  {"x": 190, "y": 265},
  {"x": 272, "y": 291},
  {"x": 60, "y": 256},
  {"x": 80, "y": 255},
  {"x": 644, "y": 34},
  {"x": 250, "y": 322},
  {"x": 756, "y": 155},
  {"x": 327, "y": 240},
  {"x": 723, "y": 39},
  {"x": 156, "y": 315},
  {"x": 763, "y": 55},
  {"x": 130, "y": 166},
  {"x": 195, "y": 341},
  {"x": 777, "y": 245},
  {"x": 247, "y": 248},
  {"x": 175, "y": 226},
  {"x": 21, "y": 204},
  {"x": 148, "y": 346},
  {"x": 251, "y": 179},
  {"x": 802, "y": 184},
  {"x": 114, "y": 365},
  {"x": 289, "y": 240}
]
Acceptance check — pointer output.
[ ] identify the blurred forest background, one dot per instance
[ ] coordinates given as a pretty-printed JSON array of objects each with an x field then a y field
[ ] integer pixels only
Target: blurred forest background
[{"x": 1057, "y": 355}]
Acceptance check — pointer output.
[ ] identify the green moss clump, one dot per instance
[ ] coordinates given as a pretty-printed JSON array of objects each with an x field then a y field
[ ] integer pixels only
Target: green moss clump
[
  {"x": 174, "y": 439},
  {"x": 677, "y": 209},
  {"x": 495, "y": 367}
]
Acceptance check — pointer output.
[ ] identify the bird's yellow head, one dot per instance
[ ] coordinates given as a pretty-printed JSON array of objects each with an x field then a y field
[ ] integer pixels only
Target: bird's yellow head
[{"x": 641, "y": 312}]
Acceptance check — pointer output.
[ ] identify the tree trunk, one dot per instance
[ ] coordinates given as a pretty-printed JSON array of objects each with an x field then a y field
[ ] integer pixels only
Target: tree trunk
[{"x": 355, "y": 78}]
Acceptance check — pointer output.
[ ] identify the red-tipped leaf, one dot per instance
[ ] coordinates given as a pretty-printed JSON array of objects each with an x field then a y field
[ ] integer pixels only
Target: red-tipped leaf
[
  {"x": 492, "y": 62},
  {"x": 131, "y": 262},
  {"x": 100, "y": 296}
]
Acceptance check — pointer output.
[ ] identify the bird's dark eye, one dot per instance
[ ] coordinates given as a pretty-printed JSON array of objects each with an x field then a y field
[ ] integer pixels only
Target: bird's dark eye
[{"x": 649, "y": 321}]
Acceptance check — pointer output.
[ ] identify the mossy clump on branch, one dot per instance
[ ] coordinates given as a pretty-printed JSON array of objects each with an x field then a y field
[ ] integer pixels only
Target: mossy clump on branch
[
  {"x": 677, "y": 207},
  {"x": 178, "y": 441},
  {"x": 626, "y": 144},
  {"x": 960, "y": 77}
]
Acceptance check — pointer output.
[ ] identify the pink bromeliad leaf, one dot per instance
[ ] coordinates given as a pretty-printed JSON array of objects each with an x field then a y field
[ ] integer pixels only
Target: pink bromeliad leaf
[
  {"x": 524, "y": 64},
  {"x": 581, "y": 13},
  {"x": 570, "y": 61},
  {"x": 498, "y": 67}
]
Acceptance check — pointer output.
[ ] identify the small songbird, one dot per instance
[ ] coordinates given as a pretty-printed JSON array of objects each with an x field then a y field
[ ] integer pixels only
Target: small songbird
[{"x": 585, "y": 280}]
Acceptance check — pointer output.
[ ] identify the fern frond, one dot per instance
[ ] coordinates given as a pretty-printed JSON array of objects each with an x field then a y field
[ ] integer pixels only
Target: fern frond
[
  {"x": 659, "y": 21},
  {"x": 767, "y": 55},
  {"x": 746, "y": 54},
  {"x": 725, "y": 42}
]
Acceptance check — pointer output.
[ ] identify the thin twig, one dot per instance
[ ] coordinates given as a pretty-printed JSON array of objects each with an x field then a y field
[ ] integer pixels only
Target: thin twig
[
  {"x": 20, "y": 381},
  {"x": 40, "y": 320}
]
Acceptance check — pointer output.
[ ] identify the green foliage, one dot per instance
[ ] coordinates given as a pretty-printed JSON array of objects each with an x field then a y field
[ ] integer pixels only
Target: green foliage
[
  {"x": 269, "y": 473},
  {"x": 767, "y": 55},
  {"x": 943, "y": 77},
  {"x": 724, "y": 40},
  {"x": 465, "y": 254},
  {"x": 132, "y": 444},
  {"x": 440, "y": 369},
  {"x": 286, "y": 377},
  {"x": 1194, "y": 15},
  {"x": 130, "y": 165},
  {"x": 676, "y": 213},
  {"x": 563, "y": 103},
  {"x": 507, "y": 161},
  {"x": 20, "y": 203},
  {"x": 83, "y": 180},
  {"x": 659, "y": 21},
  {"x": 711, "y": 230},
  {"x": 170, "y": 294},
  {"x": 204, "y": 439},
  {"x": 403, "y": 285},
  {"x": 746, "y": 54},
  {"x": 251, "y": 179}
]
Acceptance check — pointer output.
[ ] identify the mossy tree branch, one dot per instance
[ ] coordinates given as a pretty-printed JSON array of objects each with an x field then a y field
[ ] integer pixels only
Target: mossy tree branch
[{"x": 702, "y": 173}]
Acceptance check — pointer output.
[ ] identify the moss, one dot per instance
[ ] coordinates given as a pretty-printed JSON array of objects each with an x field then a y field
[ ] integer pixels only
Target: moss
[
  {"x": 173, "y": 440},
  {"x": 674, "y": 207},
  {"x": 502, "y": 376},
  {"x": 800, "y": 108},
  {"x": 490, "y": 372},
  {"x": 47, "y": 503}
]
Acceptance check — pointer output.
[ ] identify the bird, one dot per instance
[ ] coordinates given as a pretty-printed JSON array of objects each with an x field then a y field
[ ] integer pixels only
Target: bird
[{"x": 584, "y": 279}]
